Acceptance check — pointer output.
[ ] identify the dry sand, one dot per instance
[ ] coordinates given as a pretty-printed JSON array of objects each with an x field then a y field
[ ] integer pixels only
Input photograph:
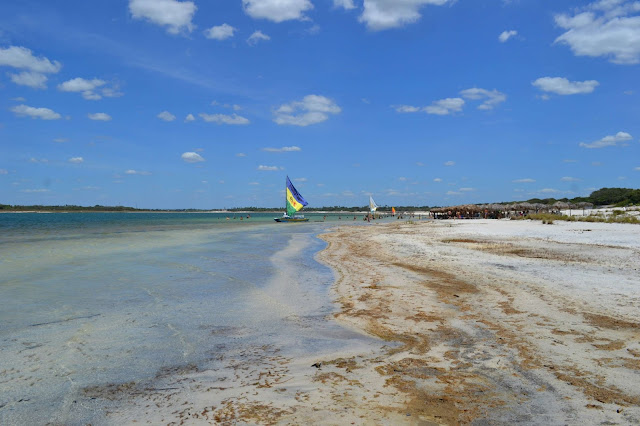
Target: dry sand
[{"x": 485, "y": 322}]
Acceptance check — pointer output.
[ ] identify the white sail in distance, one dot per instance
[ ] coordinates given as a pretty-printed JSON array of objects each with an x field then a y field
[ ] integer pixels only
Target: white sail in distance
[{"x": 372, "y": 205}]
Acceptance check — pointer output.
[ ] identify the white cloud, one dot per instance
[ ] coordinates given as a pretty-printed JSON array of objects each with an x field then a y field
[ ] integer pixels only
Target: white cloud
[
  {"x": 609, "y": 28},
  {"x": 569, "y": 179},
  {"x": 283, "y": 149},
  {"x": 192, "y": 157},
  {"x": 525, "y": 180},
  {"x": 491, "y": 97},
  {"x": 347, "y": 4},
  {"x": 76, "y": 160},
  {"x": 277, "y": 10},
  {"x": 137, "y": 172},
  {"x": 42, "y": 113},
  {"x": 269, "y": 168},
  {"x": 112, "y": 92},
  {"x": 466, "y": 189},
  {"x": 38, "y": 160},
  {"x": 453, "y": 193},
  {"x": 385, "y": 14},
  {"x": 220, "y": 32},
  {"x": 312, "y": 109},
  {"x": 86, "y": 87},
  {"x": 615, "y": 140},
  {"x": 437, "y": 180},
  {"x": 445, "y": 106},
  {"x": 99, "y": 116},
  {"x": 506, "y": 35},
  {"x": 548, "y": 191},
  {"x": 241, "y": 154},
  {"x": 189, "y": 118},
  {"x": 175, "y": 15},
  {"x": 637, "y": 169},
  {"x": 22, "y": 58},
  {"x": 256, "y": 37},
  {"x": 406, "y": 108},
  {"x": 31, "y": 79},
  {"x": 224, "y": 119},
  {"x": 450, "y": 163},
  {"x": 166, "y": 116},
  {"x": 562, "y": 86}
]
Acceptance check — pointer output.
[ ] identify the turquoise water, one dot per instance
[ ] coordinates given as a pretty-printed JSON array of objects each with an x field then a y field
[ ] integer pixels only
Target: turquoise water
[{"x": 100, "y": 299}]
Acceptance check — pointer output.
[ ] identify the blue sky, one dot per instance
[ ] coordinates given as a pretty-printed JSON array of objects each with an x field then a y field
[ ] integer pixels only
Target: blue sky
[{"x": 210, "y": 104}]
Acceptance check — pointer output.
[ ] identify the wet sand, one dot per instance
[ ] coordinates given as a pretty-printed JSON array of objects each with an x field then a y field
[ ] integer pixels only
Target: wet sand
[{"x": 479, "y": 322}]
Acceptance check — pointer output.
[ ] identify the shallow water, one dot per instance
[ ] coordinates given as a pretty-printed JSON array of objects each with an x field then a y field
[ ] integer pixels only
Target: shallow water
[{"x": 91, "y": 301}]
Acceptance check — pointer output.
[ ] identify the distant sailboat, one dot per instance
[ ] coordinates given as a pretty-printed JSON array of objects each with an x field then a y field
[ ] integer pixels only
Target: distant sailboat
[
  {"x": 393, "y": 211},
  {"x": 372, "y": 205},
  {"x": 294, "y": 203}
]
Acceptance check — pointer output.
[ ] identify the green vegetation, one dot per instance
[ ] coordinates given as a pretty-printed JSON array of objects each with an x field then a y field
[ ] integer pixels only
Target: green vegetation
[
  {"x": 620, "y": 197},
  {"x": 548, "y": 218}
]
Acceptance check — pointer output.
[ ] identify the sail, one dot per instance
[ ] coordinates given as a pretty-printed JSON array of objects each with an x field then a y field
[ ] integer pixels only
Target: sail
[
  {"x": 295, "y": 201},
  {"x": 372, "y": 205},
  {"x": 393, "y": 211}
]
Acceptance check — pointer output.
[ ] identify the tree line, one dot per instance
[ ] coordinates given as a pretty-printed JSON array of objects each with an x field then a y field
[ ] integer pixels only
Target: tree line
[{"x": 619, "y": 197}]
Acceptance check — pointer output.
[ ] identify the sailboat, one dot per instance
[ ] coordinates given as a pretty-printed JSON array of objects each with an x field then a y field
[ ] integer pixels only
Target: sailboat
[
  {"x": 372, "y": 205},
  {"x": 294, "y": 203}
]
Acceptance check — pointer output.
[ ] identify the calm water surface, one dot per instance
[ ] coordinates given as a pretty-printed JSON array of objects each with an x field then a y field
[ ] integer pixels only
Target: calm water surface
[{"x": 94, "y": 299}]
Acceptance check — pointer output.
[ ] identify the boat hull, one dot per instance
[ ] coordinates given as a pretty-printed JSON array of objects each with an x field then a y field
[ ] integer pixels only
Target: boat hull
[{"x": 291, "y": 219}]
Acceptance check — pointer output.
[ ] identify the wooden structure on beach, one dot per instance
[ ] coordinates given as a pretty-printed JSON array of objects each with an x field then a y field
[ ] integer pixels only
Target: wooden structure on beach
[{"x": 499, "y": 211}]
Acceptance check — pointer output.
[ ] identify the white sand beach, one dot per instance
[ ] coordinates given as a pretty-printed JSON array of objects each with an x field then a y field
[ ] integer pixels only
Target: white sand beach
[{"x": 483, "y": 322}]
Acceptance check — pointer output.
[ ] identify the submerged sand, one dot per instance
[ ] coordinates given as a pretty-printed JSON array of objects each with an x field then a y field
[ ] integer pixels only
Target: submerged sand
[{"x": 481, "y": 322}]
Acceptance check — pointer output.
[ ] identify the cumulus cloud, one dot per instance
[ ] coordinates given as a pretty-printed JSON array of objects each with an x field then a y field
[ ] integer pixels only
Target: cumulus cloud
[
  {"x": 437, "y": 180},
  {"x": 506, "y": 35},
  {"x": 22, "y": 58},
  {"x": 445, "y": 106},
  {"x": 283, "y": 149},
  {"x": 34, "y": 68},
  {"x": 346, "y": 4},
  {"x": 76, "y": 160},
  {"x": 42, "y": 113},
  {"x": 406, "y": 108},
  {"x": 562, "y": 86},
  {"x": 220, "y": 32},
  {"x": 525, "y": 180},
  {"x": 637, "y": 169},
  {"x": 256, "y": 37},
  {"x": 192, "y": 157},
  {"x": 86, "y": 87},
  {"x": 491, "y": 98},
  {"x": 175, "y": 15},
  {"x": 166, "y": 116},
  {"x": 99, "y": 116},
  {"x": 312, "y": 109},
  {"x": 615, "y": 140},
  {"x": 384, "y": 14},
  {"x": 608, "y": 28},
  {"x": 234, "y": 119},
  {"x": 450, "y": 163},
  {"x": 269, "y": 168},
  {"x": 31, "y": 79},
  {"x": 137, "y": 172},
  {"x": 189, "y": 118},
  {"x": 277, "y": 10}
]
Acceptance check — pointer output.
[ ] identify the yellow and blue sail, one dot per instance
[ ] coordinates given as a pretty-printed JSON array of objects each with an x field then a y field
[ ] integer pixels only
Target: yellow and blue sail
[{"x": 295, "y": 202}]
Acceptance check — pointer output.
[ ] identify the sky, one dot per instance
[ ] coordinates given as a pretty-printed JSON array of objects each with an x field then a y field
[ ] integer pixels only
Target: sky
[{"x": 211, "y": 104}]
